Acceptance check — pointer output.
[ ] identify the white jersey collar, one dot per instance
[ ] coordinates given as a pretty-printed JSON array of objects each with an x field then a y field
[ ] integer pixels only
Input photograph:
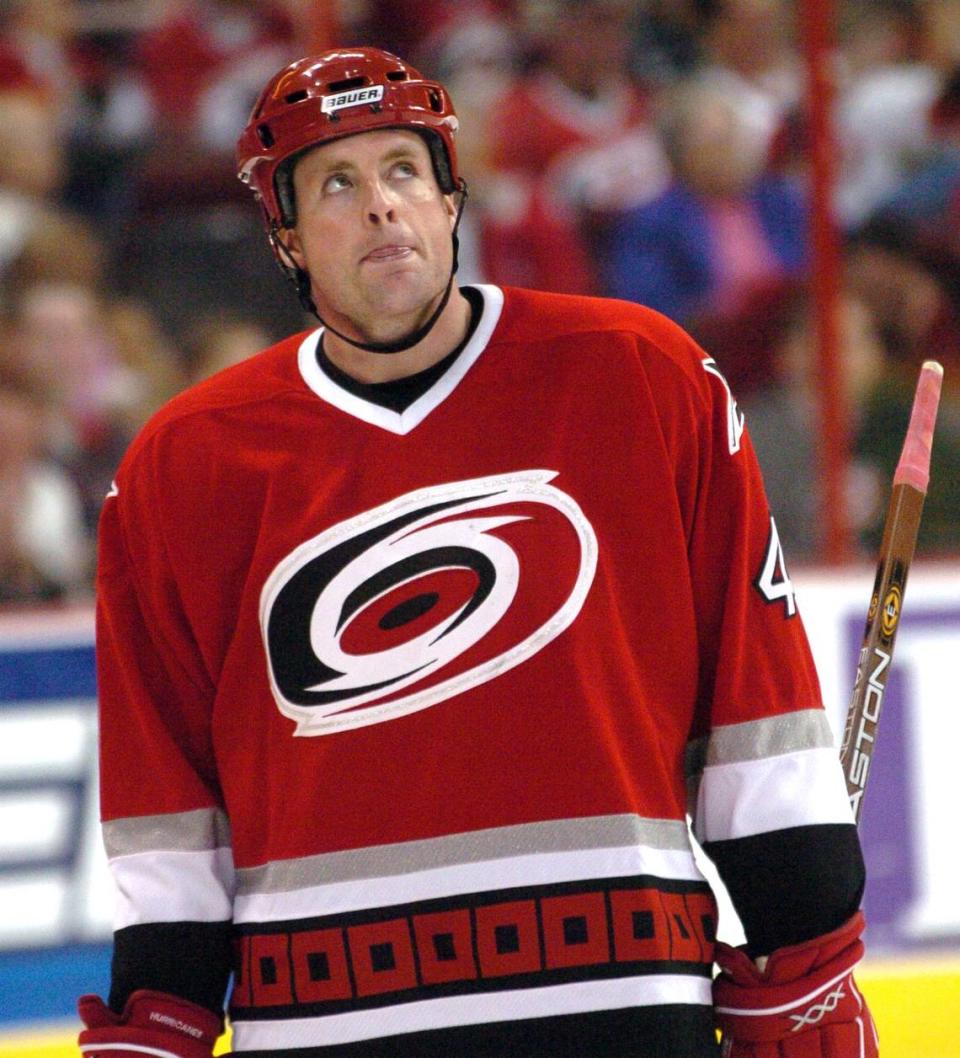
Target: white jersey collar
[{"x": 402, "y": 422}]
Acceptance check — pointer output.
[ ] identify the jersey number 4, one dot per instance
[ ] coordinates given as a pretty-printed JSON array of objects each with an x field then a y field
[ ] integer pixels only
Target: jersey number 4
[{"x": 773, "y": 581}]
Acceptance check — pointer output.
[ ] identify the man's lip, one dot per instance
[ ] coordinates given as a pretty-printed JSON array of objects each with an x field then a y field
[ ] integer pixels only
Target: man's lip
[{"x": 394, "y": 252}]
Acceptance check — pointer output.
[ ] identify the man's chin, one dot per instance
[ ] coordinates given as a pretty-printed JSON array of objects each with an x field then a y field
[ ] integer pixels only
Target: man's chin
[{"x": 396, "y": 317}]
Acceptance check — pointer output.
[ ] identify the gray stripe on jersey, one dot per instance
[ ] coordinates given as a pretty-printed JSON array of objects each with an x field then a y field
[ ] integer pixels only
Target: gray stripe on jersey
[
  {"x": 196, "y": 831},
  {"x": 560, "y": 835},
  {"x": 759, "y": 739}
]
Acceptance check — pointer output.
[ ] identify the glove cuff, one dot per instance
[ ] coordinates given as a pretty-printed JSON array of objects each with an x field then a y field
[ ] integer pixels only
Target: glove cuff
[
  {"x": 804, "y": 987},
  {"x": 152, "y": 1023}
]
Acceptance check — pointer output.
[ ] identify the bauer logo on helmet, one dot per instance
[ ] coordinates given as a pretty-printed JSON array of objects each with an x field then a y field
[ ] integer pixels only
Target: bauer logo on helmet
[{"x": 357, "y": 97}]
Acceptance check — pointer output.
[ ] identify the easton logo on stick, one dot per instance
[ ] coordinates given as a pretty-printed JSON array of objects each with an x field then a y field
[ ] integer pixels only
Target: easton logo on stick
[{"x": 865, "y": 734}]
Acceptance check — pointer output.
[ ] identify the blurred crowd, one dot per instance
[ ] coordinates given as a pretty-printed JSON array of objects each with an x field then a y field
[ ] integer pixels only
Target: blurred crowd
[{"x": 654, "y": 150}]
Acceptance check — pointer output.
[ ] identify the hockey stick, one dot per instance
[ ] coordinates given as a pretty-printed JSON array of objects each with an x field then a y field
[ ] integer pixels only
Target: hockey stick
[{"x": 896, "y": 552}]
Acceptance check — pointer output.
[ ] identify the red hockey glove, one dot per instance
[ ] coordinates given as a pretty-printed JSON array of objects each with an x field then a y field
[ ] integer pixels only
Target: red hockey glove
[
  {"x": 804, "y": 1004},
  {"x": 152, "y": 1023}
]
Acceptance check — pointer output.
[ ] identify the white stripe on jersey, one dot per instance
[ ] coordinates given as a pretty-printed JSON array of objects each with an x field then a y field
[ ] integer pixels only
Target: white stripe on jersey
[
  {"x": 543, "y": 868},
  {"x": 173, "y": 887},
  {"x": 453, "y": 1011},
  {"x": 126, "y": 1048},
  {"x": 750, "y": 797},
  {"x": 472, "y": 846}
]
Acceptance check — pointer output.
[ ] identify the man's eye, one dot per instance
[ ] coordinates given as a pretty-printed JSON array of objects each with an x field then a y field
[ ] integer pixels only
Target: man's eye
[
  {"x": 404, "y": 169},
  {"x": 336, "y": 182}
]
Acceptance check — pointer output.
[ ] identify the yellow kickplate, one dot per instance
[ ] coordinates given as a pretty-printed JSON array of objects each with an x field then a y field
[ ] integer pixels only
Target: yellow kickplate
[{"x": 914, "y": 1007}]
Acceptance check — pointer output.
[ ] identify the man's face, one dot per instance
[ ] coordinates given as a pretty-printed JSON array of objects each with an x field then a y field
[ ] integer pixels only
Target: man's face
[{"x": 373, "y": 232}]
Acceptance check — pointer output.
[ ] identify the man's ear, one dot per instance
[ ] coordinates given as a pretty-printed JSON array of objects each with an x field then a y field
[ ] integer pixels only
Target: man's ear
[
  {"x": 450, "y": 204},
  {"x": 291, "y": 243}
]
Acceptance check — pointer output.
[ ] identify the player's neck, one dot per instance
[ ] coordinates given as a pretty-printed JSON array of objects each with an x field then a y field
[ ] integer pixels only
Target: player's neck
[{"x": 446, "y": 334}]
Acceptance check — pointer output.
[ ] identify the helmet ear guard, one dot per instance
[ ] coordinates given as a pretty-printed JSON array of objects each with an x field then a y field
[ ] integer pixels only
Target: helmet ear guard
[
  {"x": 298, "y": 276},
  {"x": 286, "y": 198}
]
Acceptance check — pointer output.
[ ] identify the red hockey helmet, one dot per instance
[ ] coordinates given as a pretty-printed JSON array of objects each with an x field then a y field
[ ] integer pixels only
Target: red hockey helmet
[{"x": 334, "y": 94}]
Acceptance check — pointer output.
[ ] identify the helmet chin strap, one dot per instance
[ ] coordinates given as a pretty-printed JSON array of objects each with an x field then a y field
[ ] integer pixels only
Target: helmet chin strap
[{"x": 301, "y": 280}]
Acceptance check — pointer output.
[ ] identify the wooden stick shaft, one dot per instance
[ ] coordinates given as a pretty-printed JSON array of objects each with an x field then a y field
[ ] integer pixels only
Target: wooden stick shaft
[
  {"x": 883, "y": 618},
  {"x": 876, "y": 651}
]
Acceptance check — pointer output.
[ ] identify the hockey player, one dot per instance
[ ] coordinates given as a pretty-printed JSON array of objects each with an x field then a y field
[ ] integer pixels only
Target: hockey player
[{"x": 415, "y": 632}]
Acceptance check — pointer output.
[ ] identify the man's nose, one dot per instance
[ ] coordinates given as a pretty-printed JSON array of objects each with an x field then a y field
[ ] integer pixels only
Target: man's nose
[{"x": 381, "y": 203}]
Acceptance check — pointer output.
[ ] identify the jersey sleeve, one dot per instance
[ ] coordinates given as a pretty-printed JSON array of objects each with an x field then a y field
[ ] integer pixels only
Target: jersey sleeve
[
  {"x": 165, "y": 831},
  {"x": 768, "y": 802}
]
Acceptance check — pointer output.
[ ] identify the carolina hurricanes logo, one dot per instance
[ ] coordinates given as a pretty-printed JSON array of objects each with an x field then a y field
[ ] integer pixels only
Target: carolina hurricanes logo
[{"x": 418, "y": 600}]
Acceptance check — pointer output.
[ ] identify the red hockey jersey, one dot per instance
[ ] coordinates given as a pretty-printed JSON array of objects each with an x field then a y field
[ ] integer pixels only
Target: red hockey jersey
[{"x": 416, "y": 700}]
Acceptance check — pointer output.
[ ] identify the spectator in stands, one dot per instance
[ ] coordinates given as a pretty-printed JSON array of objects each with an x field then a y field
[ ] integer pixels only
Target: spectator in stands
[
  {"x": 191, "y": 237},
  {"x": 910, "y": 289},
  {"x": 44, "y": 552},
  {"x": 883, "y": 127},
  {"x": 410, "y": 27},
  {"x": 192, "y": 75},
  {"x": 722, "y": 248},
  {"x": 571, "y": 141},
  {"x": 37, "y": 54},
  {"x": 750, "y": 59},
  {"x": 220, "y": 340},
  {"x": 877, "y": 397},
  {"x": 32, "y": 168},
  {"x": 55, "y": 247},
  {"x": 201, "y": 63},
  {"x": 926, "y": 203},
  {"x": 783, "y": 419},
  {"x": 668, "y": 39},
  {"x": 99, "y": 362},
  {"x": 58, "y": 333},
  {"x": 475, "y": 54},
  {"x": 924, "y": 207},
  {"x": 877, "y": 446}
]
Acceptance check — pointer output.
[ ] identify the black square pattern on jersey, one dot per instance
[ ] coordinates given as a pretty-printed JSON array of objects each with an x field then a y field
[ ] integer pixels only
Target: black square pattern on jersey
[
  {"x": 643, "y": 925},
  {"x": 507, "y": 939},
  {"x": 318, "y": 963},
  {"x": 575, "y": 930},
  {"x": 382, "y": 957},
  {"x": 444, "y": 947}
]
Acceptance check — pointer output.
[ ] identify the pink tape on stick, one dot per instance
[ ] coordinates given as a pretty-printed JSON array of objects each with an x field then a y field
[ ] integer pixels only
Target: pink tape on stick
[{"x": 914, "y": 466}]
